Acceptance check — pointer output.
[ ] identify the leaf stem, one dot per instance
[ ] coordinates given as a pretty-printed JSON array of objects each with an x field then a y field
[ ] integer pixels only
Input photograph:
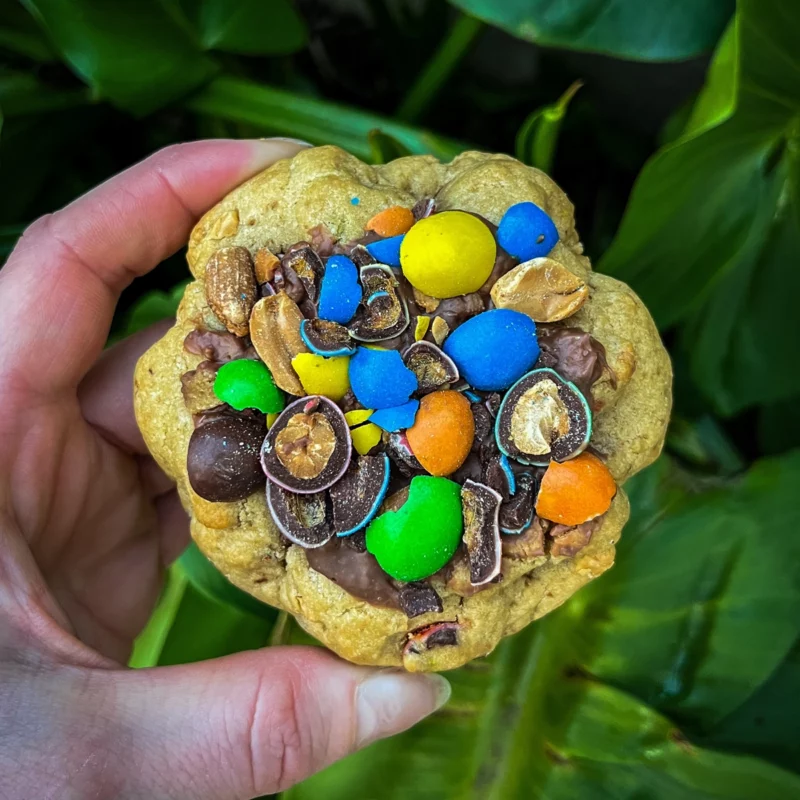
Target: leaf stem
[{"x": 440, "y": 67}]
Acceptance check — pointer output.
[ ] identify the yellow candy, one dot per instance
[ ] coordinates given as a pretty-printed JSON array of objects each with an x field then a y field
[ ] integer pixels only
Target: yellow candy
[
  {"x": 365, "y": 437},
  {"x": 325, "y": 376},
  {"x": 448, "y": 254},
  {"x": 423, "y": 323},
  {"x": 271, "y": 420},
  {"x": 357, "y": 416}
]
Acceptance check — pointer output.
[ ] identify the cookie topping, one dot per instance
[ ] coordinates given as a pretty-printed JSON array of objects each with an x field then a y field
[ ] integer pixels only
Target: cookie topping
[
  {"x": 356, "y": 498},
  {"x": 419, "y": 598},
  {"x": 543, "y": 417},
  {"x": 384, "y": 313},
  {"x": 526, "y": 231},
  {"x": 301, "y": 518},
  {"x": 326, "y": 376},
  {"x": 434, "y": 370},
  {"x": 392, "y": 221},
  {"x": 380, "y": 379},
  {"x": 231, "y": 287},
  {"x": 386, "y": 251},
  {"x": 481, "y": 506},
  {"x": 307, "y": 266},
  {"x": 439, "y": 634},
  {"x": 326, "y": 338},
  {"x": 246, "y": 384},
  {"x": 340, "y": 293}
]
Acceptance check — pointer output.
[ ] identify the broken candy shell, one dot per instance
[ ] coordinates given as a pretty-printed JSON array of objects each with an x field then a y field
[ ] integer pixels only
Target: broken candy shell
[
  {"x": 576, "y": 491},
  {"x": 517, "y": 513},
  {"x": 365, "y": 437},
  {"x": 493, "y": 349},
  {"x": 438, "y": 634},
  {"x": 443, "y": 432},
  {"x": 301, "y": 518},
  {"x": 308, "y": 447},
  {"x": 340, "y": 292},
  {"x": 356, "y": 498},
  {"x": 448, "y": 254},
  {"x": 421, "y": 327},
  {"x": 223, "y": 458},
  {"x": 543, "y": 417},
  {"x": 386, "y": 251},
  {"x": 308, "y": 266},
  {"x": 325, "y": 376},
  {"x": 380, "y": 379},
  {"x": 247, "y": 384},
  {"x": 542, "y": 288},
  {"x": 392, "y": 221},
  {"x": 421, "y": 536},
  {"x": 397, "y": 418},
  {"x": 526, "y": 231},
  {"x": 230, "y": 286},
  {"x": 434, "y": 369},
  {"x": 326, "y": 338},
  {"x": 383, "y": 314},
  {"x": 480, "y": 507}
]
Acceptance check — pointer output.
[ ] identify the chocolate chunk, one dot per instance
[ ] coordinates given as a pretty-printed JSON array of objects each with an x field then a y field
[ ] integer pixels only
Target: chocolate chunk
[
  {"x": 569, "y": 540},
  {"x": 516, "y": 513},
  {"x": 484, "y": 425},
  {"x": 497, "y": 475},
  {"x": 356, "y": 498},
  {"x": 456, "y": 310},
  {"x": 286, "y": 280},
  {"x": 529, "y": 544},
  {"x": 307, "y": 265},
  {"x": 434, "y": 369},
  {"x": 356, "y": 572},
  {"x": 223, "y": 458},
  {"x": 543, "y": 417},
  {"x": 360, "y": 256},
  {"x": 481, "y": 506},
  {"x": 215, "y": 345},
  {"x": 471, "y": 469},
  {"x": 197, "y": 387},
  {"x": 301, "y": 518},
  {"x": 383, "y": 312},
  {"x": 438, "y": 634},
  {"x": 419, "y": 598},
  {"x": 574, "y": 354},
  {"x": 308, "y": 447},
  {"x": 322, "y": 240},
  {"x": 423, "y": 208}
]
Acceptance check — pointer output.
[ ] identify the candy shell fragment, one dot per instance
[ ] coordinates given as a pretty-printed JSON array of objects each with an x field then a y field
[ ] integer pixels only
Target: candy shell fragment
[
  {"x": 308, "y": 267},
  {"x": 379, "y": 378},
  {"x": 356, "y": 498},
  {"x": 340, "y": 292},
  {"x": 386, "y": 251},
  {"x": 434, "y": 370},
  {"x": 301, "y": 518},
  {"x": 325, "y": 376},
  {"x": 326, "y": 338},
  {"x": 384, "y": 312},
  {"x": 526, "y": 231},
  {"x": 421, "y": 327},
  {"x": 392, "y": 221},
  {"x": 247, "y": 384},
  {"x": 493, "y": 349},
  {"x": 448, "y": 254},
  {"x": 397, "y": 418},
  {"x": 481, "y": 506},
  {"x": 365, "y": 437},
  {"x": 357, "y": 416}
]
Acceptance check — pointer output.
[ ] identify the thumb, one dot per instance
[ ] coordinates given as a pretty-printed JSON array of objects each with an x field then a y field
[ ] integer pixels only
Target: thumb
[{"x": 258, "y": 722}]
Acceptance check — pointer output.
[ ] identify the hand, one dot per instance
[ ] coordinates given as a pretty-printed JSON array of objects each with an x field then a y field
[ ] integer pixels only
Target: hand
[{"x": 88, "y": 523}]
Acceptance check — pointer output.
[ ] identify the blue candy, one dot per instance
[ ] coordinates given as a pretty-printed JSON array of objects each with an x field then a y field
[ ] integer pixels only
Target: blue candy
[
  {"x": 341, "y": 292},
  {"x": 509, "y": 473},
  {"x": 494, "y": 349},
  {"x": 397, "y": 418},
  {"x": 526, "y": 232},
  {"x": 380, "y": 379},
  {"x": 387, "y": 251}
]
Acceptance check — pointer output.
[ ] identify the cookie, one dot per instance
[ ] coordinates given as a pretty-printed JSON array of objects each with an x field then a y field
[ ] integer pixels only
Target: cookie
[{"x": 399, "y": 404}]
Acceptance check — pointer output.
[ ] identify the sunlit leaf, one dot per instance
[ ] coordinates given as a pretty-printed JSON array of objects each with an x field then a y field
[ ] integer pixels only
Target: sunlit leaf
[{"x": 385, "y": 148}]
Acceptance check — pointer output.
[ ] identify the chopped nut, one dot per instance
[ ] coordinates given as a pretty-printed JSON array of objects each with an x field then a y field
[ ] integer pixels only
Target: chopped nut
[
  {"x": 439, "y": 330},
  {"x": 542, "y": 288},
  {"x": 275, "y": 331},
  {"x": 226, "y": 224},
  {"x": 197, "y": 387},
  {"x": 231, "y": 287},
  {"x": 528, "y": 544},
  {"x": 305, "y": 445},
  {"x": 539, "y": 417},
  {"x": 266, "y": 262},
  {"x": 425, "y": 301},
  {"x": 569, "y": 540}
]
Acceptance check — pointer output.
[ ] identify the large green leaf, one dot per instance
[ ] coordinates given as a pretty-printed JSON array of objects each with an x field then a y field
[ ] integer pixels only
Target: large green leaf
[
  {"x": 317, "y": 121},
  {"x": 139, "y": 54},
  {"x": 249, "y": 27},
  {"x": 20, "y": 34},
  {"x": 655, "y": 30}
]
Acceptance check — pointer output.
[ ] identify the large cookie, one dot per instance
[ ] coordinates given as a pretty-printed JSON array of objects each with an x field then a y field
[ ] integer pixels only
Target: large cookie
[{"x": 606, "y": 344}]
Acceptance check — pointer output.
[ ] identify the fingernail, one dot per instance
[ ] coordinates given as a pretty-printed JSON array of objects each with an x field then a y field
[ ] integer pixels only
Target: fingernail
[
  {"x": 389, "y": 702},
  {"x": 301, "y": 142}
]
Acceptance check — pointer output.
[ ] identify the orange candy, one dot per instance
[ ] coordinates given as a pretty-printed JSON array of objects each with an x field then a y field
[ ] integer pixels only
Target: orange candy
[
  {"x": 391, "y": 221},
  {"x": 575, "y": 491},
  {"x": 442, "y": 434}
]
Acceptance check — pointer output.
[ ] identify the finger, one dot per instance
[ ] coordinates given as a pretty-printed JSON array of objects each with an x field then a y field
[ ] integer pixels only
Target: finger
[
  {"x": 258, "y": 722},
  {"x": 60, "y": 285},
  {"x": 106, "y": 393},
  {"x": 173, "y": 526}
]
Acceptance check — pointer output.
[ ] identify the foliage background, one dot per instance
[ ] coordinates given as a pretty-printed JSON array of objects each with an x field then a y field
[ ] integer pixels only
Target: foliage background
[{"x": 675, "y": 128}]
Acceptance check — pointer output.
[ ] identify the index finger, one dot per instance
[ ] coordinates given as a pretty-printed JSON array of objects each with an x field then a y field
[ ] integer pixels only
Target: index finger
[{"x": 59, "y": 287}]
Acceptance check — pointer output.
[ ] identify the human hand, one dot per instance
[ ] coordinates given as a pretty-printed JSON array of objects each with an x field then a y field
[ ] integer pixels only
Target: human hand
[{"x": 88, "y": 523}]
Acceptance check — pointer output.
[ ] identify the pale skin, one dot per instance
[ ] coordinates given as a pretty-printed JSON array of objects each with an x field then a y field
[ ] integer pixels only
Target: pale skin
[{"x": 88, "y": 524}]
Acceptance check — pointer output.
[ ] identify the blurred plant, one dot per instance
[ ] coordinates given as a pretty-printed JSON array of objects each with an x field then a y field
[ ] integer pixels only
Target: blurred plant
[{"x": 673, "y": 676}]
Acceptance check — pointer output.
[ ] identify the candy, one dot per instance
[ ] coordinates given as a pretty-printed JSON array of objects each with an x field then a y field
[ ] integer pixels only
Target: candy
[
  {"x": 421, "y": 327},
  {"x": 480, "y": 507},
  {"x": 301, "y": 518},
  {"x": 379, "y": 378},
  {"x": 542, "y": 417},
  {"x": 576, "y": 491},
  {"x": 365, "y": 437},
  {"x": 356, "y": 498},
  {"x": 429, "y": 637},
  {"x": 391, "y": 221},
  {"x": 325, "y": 376},
  {"x": 308, "y": 267},
  {"x": 326, "y": 338},
  {"x": 419, "y": 598},
  {"x": 526, "y": 232},
  {"x": 308, "y": 447},
  {"x": 230, "y": 286},
  {"x": 384, "y": 312},
  {"x": 493, "y": 349},
  {"x": 386, "y": 251},
  {"x": 517, "y": 514},
  {"x": 397, "y": 418},
  {"x": 223, "y": 458},
  {"x": 448, "y": 254},
  {"x": 247, "y": 384},
  {"x": 422, "y": 535},
  {"x": 443, "y": 432},
  {"x": 357, "y": 416},
  {"x": 340, "y": 292},
  {"x": 434, "y": 370}
]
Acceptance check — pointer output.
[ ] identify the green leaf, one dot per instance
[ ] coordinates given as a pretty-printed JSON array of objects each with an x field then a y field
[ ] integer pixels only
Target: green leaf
[
  {"x": 657, "y": 30},
  {"x": 778, "y": 427},
  {"x": 385, "y": 148},
  {"x": 21, "y": 35},
  {"x": 136, "y": 53},
  {"x": 248, "y": 27},
  {"x": 149, "y": 309},
  {"x": 22, "y": 94},
  {"x": 538, "y": 135},
  {"x": 276, "y": 111}
]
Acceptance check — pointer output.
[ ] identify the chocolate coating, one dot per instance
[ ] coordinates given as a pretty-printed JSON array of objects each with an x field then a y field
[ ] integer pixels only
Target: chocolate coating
[{"x": 223, "y": 462}]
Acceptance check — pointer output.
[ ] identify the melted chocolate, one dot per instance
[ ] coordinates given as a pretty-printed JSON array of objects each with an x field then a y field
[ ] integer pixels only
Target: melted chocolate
[{"x": 215, "y": 345}]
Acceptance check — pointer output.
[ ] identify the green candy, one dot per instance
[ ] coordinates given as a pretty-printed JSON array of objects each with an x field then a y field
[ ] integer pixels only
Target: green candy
[
  {"x": 420, "y": 537},
  {"x": 248, "y": 384}
]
